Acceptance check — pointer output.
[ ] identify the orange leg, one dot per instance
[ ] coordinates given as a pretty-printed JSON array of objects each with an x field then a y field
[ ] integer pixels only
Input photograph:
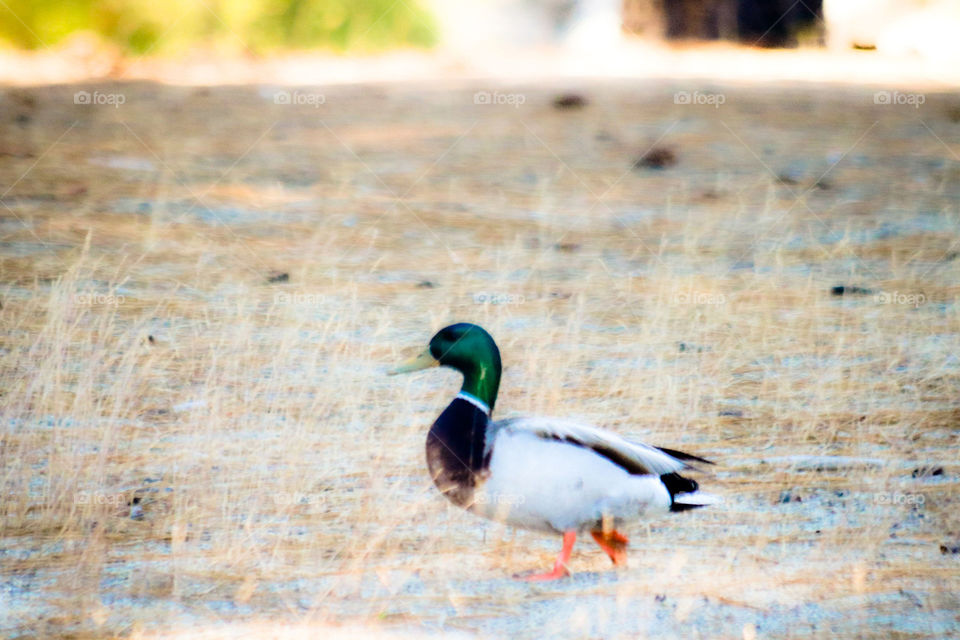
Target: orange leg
[
  {"x": 614, "y": 543},
  {"x": 560, "y": 566}
]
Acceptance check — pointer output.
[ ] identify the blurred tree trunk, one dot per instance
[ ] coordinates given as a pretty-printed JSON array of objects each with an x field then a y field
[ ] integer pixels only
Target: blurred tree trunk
[
  {"x": 771, "y": 23},
  {"x": 682, "y": 19}
]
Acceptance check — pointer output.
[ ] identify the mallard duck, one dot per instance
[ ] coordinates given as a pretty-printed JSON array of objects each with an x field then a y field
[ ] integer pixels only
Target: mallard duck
[{"x": 540, "y": 473}]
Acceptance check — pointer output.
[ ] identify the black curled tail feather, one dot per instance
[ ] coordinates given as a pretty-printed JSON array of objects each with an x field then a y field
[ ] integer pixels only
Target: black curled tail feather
[
  {"x": 686, "y": 457},
  {"x": 675, "y": 483}
]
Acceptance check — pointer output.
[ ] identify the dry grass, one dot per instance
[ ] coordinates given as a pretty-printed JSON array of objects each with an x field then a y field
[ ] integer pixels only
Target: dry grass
[{"x": 145, "y": 353}]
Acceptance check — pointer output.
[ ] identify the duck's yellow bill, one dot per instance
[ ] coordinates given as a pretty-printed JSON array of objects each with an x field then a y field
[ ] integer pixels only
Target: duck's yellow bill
[{"x": 423, "y": 361}]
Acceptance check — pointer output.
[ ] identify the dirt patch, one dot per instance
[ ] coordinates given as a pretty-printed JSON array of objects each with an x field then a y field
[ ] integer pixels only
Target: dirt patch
[{"x": 150, "y": 351}]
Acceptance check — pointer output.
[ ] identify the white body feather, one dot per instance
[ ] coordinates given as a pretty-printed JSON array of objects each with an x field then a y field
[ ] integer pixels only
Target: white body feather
[{"x": 537, "y": 480}]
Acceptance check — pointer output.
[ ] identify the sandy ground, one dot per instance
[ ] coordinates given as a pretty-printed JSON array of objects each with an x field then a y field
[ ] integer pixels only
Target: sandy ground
[{"x": 204, "y": 286}]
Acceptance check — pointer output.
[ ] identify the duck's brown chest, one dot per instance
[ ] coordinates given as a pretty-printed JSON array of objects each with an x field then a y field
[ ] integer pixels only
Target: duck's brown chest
[
  {"x": 454, "y": 480},
  {"x": 455, "y": 452}
]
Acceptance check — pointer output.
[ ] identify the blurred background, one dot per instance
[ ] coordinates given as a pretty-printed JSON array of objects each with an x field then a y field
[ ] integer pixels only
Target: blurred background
[{"x": 104, "y": 37}]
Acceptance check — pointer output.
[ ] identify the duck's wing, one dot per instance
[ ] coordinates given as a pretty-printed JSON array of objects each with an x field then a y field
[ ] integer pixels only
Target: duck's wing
[{"x": 637, "y": 458}]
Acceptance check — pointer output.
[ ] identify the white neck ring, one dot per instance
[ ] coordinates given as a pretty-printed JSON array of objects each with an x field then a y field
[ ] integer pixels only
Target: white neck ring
[{"x": 475, "y": 401}]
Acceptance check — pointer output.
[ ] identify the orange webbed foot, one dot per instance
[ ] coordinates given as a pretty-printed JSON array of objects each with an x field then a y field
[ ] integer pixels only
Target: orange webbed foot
[
  {"x": 560, "y": 566},
  {"x": 556, "y": 574},
  {"x": 614, "y": 543}
]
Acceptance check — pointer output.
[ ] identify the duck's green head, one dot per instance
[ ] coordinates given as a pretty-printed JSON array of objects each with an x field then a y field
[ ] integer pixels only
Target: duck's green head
[{"x": 469, "y": 349}]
